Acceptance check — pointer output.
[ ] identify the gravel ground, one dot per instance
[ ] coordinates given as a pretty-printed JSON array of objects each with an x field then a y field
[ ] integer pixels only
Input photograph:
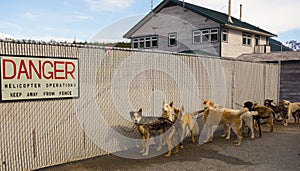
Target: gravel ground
[{"x": 279, "y": 150}]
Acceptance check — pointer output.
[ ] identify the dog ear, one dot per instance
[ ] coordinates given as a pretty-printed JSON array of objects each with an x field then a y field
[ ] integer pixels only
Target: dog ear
[
  {"x": 205, "y": 101},
  {"x": 212, "y": 103},
  {"x": 248, "y": 104},
  {"x": 131, "y": 114},
  {"x": 140, "y": 110},
  {"x": 182, "y": 108},
  {"x": 171, "y": 104}
]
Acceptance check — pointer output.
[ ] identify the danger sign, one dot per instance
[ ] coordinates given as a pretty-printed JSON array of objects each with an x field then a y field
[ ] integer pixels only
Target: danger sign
[{"x": 28, "y": 78}]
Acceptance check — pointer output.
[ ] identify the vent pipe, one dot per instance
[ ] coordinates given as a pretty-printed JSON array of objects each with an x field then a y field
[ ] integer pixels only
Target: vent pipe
[
  {"x": 241, "y": 12},
  {"x": 229, "y": 12}
]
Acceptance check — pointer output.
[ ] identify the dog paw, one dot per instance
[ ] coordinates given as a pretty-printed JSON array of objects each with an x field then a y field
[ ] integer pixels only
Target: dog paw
[
  {"x": 142, "y": 151},
  {"x": 207, "y": 141},
  {"x": 158, "y": 148},
  {"x": 145, "y": 154},
  {"x": 223, "y": 135},
  {"x": 227, "y": 138},
  {"x": 168, "y": 155}
]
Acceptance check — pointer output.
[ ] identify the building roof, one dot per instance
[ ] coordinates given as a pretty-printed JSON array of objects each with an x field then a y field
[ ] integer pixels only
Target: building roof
[
  {"x": 216, "y": 16},
  {"x": 272, "y": 57}
]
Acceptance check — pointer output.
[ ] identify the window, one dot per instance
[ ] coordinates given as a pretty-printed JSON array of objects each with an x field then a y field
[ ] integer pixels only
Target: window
[
  {"x": 141, "y": 42},
  {"x": 148, "y": 42},
  {"x": 144, "y": 42},
  {"x": 247, "y": 39},
  {"x": 214, "y": 35},
  {"x": 257, "y": 40},
  {"x": 154, "y": 41},
  {"x": 267, "y": 41},
  {"x": 225, "y": 35},
  {"x": 135, "y": 43},
  {"x": 196, "y": 36},
  {"x": 207, "y": 35},
  {"x": 172, "y": 39}
]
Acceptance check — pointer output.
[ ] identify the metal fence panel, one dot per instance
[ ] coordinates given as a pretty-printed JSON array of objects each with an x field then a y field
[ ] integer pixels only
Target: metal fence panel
[{"x": 36, "y": 134}]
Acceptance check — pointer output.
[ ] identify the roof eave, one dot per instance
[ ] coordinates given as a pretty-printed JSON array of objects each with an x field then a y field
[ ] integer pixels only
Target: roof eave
[
  {"x": 250, "y": 31},
  {"x": 144, "y": 20}
]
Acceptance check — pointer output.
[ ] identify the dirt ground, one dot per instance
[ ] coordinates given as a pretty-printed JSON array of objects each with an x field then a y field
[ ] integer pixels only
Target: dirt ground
[{"x": 279, "y": 150}]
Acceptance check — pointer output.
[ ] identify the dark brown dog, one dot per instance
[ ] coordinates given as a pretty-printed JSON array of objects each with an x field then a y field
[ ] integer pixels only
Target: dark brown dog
[{"x": 263, "y": 113}]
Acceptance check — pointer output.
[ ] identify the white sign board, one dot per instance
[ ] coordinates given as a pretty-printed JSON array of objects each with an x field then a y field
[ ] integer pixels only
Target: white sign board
[{"x": 32, "y": 78}]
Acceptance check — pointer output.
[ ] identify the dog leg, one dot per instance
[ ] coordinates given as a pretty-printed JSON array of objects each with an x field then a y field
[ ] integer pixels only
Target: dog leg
[
  {"x": 169, "y": 146},
  {"x": 146, "y": 145},
  {"x": 143, "y": 145},
  {"x": 285, "y": 123},
  {"x": 271, "y": 123},
  {"x": 192, "y": 135},
  {"x": 236, "y": 130},
  {"x": 169, "y": 143},
  {"x": 228, "y": 132},
  {"x": 256, "y": 118},
  {"x": 182, "y": 134},
  {"x": 225, "y": 132},
  {"x": 251, "y": 127},
  {"x": 160, "y": 142},
  {"x": 191, "y": 124},
  {"x": 208, "y": 134}
]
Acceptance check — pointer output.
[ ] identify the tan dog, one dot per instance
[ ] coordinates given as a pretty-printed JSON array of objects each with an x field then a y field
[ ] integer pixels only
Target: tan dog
[
  {"x": 293, "y": 109},
  {"x": 162, "y": 125},
  {"x": 187, "y": 119},
  {"x": 216, "y": 116}
]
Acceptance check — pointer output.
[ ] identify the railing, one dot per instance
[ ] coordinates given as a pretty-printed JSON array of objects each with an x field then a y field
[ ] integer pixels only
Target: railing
[{"x": 262, "y": 49}]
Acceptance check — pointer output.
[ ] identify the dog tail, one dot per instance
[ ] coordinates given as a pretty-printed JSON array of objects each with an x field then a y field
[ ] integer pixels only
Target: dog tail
[
  {"x": 242, "y": 111},
  {"x": 196, "y": 113}
]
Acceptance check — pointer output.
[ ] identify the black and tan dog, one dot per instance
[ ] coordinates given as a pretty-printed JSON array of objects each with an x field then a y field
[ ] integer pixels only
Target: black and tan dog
[
  {"x": 263, "y": 113},
  {"x": 281, "y": 109},
  {"x": 163, "y": 125}
]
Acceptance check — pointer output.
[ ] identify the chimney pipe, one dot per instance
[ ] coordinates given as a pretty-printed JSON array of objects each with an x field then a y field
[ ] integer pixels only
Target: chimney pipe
[
  {"x": 229, "y": 12},
  {"x": 241, "y": 12}
]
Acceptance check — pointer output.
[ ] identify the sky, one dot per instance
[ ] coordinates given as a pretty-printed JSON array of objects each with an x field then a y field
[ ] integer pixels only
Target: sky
[{"x": 109, "y": 20}]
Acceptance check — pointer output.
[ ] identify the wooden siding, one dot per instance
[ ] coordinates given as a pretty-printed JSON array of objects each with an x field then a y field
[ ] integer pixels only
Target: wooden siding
[{"x": 290, "y": 81}]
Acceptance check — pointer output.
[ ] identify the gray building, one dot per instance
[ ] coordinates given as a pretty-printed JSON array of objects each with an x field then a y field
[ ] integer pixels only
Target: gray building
[
  {"x": 289, "y": 72},
  {"x": 177, "y": 26}
]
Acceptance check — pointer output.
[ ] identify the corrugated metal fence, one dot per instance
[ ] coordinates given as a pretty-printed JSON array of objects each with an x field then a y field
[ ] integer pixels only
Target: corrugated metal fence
[{"x": 42, "y": 133}]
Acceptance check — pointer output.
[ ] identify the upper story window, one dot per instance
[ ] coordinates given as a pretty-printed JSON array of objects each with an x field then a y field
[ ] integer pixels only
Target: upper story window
[
  {"x": 213, "y": 35},
  {"x": 196, "y": 36},
  {"x": 247, "y": 39},
  {"x": 205, "y": 35},
  {"x": 225, "y": 35},
  {"x": 257, "y": 40},
  {"x": 172, "y": 39},
  {"x": 145, "y": 42}
]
